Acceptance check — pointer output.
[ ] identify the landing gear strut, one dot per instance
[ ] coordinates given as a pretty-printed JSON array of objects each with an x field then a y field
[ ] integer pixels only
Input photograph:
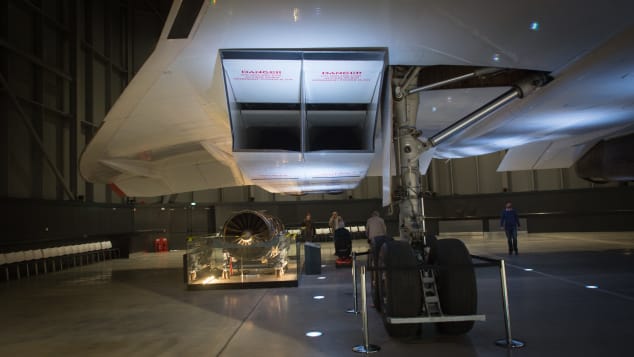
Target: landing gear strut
[{"x": 416, "y": 278}]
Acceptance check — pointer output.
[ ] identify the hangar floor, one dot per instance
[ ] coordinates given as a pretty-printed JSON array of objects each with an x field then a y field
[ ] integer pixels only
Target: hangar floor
[{"x": 140, "y": 307}]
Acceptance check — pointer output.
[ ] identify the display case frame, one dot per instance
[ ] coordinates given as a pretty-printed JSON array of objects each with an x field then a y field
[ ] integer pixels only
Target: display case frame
[{"x": 220, "y": 262}]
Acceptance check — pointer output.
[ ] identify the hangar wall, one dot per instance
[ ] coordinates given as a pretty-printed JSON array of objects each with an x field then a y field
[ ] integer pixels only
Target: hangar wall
[
  {"x": 64, "y": 63},
  {"x": 62, "y": 66}
]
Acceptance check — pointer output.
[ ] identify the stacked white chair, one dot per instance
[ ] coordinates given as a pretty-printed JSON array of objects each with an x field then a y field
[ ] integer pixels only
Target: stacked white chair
[
  {"x": 47, "y": 254},
  {"x": 59, "y": 258},
  {"x": 28, "y": 259},
  {"x": 95, "y": 247},
  {"x": 37, "y": 259},
  {"x": 15, "y": 258},
  {"x": 84, "y": 251}
]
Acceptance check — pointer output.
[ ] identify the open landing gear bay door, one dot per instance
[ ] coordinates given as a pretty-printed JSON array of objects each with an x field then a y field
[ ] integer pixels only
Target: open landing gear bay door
[{"x": 303, "y": 121}]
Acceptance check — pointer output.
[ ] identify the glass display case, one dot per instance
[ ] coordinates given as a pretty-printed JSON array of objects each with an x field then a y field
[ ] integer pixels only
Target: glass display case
[{"x": 253, "y": 250}]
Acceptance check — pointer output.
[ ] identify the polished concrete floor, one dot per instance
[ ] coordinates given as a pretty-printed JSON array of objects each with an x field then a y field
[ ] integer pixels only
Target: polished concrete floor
[{"x": 140, "y": 307}]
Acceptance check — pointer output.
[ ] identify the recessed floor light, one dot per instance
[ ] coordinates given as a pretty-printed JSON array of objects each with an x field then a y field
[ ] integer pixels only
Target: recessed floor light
[
  {"x": 528, "y": 269},
  {"x": 591, "y": 287},
  {"x": 314, "y": 333},
  {"x": 319, "y": 297}
]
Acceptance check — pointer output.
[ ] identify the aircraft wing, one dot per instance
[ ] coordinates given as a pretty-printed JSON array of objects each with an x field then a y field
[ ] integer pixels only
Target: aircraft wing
[
  {"x": 171, "y": 129},
  {"x": 589, "y": 100}
]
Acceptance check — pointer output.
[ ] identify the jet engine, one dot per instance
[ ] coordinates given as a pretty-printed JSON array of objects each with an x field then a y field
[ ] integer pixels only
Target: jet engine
[{"x": 256, "y": 238}]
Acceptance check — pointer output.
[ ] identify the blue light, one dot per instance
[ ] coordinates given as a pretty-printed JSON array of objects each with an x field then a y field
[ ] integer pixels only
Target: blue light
[{"x": 534, "y": 25}]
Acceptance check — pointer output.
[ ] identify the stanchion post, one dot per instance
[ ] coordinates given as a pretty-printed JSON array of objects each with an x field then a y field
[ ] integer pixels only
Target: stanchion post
[
  {"x": 508, "y": 341},
  {"x": 366, "y": 347},
  {"x": 355, "y": 308}
]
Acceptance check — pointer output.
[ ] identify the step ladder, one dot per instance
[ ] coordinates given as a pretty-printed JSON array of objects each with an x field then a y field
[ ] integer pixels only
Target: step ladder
[{"x": 430, "y": 293}]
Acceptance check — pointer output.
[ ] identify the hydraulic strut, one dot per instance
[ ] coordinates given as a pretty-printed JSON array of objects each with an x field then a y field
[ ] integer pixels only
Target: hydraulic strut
[{"x": 409, "y": 147}]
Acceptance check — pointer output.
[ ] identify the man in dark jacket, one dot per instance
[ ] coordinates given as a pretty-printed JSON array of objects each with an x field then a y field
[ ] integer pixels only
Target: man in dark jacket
[
  {"x": 309, "y": 229},
  {"x": 509, "y": 221}
]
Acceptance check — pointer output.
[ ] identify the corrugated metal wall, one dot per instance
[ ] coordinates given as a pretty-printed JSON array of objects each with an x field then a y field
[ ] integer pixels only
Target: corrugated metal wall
[{"x": 63, "y": 64}]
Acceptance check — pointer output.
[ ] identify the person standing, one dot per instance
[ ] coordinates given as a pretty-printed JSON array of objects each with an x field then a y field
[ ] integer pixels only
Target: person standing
[
  {"x": 375, "y": 227},
  {"x": 509, "y": 221},
  {"x": 309, "y": 228},
  {"x": 332, "y": 222}
]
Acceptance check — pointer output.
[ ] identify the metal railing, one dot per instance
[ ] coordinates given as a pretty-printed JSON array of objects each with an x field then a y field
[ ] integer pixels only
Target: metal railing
[{"x": 367, "y": 347}]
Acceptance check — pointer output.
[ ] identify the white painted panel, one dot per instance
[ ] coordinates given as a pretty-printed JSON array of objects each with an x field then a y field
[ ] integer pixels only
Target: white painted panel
[
  {"x": 264, "y": 81},
  {"x": 341, "y": 81}
]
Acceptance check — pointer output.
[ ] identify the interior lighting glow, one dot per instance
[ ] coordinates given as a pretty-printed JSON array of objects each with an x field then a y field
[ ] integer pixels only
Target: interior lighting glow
[
  {"x": 319, "y": 297},
  {"x": 295, "y": 14},
  {"x": 321, "y": 278},
  {"x": 193, "y": 203},
  {"x": 591, "y": 287},
  {"x": 323, "y": 265},
  {"x": 534, "y": 26},
  {"x": 162, "y": 208},
  {"x": 314, "y": 333},
  {"x": 209, "y": 280}
]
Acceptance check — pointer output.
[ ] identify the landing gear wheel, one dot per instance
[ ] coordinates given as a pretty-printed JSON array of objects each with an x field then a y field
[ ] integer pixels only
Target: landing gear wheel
[
  {"x": 400, "y": 289},
  {"x": 374, "y": 274},
  {"x": 456, "y": 285}
]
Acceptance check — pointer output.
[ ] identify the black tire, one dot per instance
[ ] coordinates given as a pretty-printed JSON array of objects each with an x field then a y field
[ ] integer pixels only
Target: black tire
[
  {"x": 456, "y": 285},
  {"x": 373, "y": 258},
  {"x": 400, "y": 289}
]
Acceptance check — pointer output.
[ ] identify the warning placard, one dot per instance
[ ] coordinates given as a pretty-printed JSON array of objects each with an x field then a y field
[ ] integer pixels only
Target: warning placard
[
  {"x": 262, "y": 75},
  {"x": 341, "y": 76}
]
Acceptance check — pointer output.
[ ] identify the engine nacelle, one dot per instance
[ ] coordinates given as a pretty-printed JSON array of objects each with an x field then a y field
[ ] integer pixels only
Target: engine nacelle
[{"x": 609, "y": 160}]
